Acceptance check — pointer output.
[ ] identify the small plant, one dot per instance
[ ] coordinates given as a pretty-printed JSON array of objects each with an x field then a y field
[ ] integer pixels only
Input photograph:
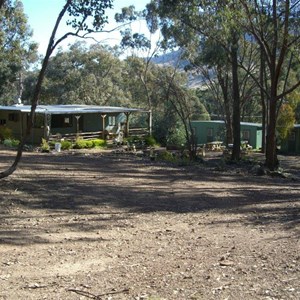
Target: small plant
[
  {"x": 45, "y": 146},
  {"x": 79, "y": 144},
  {"x": 150, "y": 141},
  {"x": 89, "y": 144},
  {"x": 11, "y": 142},
  {"x": 167, "y": 156},
  {"x": 5, "y": 133},
  {"x": 99, "y": 143},
  {"x": 66, "y": 145}
]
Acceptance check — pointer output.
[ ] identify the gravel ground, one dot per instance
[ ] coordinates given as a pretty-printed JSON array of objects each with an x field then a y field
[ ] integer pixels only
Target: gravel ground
[{"x": 100, "y": 225}]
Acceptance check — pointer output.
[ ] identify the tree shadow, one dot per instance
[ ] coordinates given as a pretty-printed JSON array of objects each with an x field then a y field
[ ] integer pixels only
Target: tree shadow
[{"x": 93, "y": 193}]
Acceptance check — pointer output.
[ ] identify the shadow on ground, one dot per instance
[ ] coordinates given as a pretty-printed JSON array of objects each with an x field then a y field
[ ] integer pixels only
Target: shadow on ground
[{"x": 94, "y": 192}]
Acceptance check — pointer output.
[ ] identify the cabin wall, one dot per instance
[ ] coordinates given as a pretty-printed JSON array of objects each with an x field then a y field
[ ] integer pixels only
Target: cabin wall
[
  {"x": 206, "y": 131},
  {"x": 209, "y": 131},
  {"x": 252, "y": 134},
  {"x": 291, "y": 145}
]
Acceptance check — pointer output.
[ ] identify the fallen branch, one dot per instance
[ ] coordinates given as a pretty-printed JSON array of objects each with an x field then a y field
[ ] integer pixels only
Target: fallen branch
[{"x": 96, "y": 297}]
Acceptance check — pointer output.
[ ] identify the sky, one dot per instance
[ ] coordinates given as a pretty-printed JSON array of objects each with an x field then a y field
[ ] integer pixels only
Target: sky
[{"x": 42, "y": 15}]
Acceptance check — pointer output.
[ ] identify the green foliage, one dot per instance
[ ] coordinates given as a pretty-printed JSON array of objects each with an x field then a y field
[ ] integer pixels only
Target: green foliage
[
  {"x": 150, "y": 141},
  {"x": 99, "y": 143},
  {"x": 91, "y": 13},
  {"x": 79, "y": 144},
  {"x": 294, "y": 101},
  {"x": 285, "y": 121},
  {"x": 5, "y": 133},
  {"x": 16, "y": 49},
  {"x": 66, "y": 145},
  {"x": 176, "y": 137},
  {"x": 11, "y": 142},
  {"x": 89, "y": 144},
  {"x": 45, "y": 146},
  {"x": 167, "y": 156},
  {"x": 83, "y": 75}
]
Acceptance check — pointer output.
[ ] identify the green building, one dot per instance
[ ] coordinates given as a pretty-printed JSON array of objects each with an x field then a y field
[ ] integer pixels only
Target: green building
[
  {"x": 210, "y": 131},
  {"x": 292, "y": 144}
]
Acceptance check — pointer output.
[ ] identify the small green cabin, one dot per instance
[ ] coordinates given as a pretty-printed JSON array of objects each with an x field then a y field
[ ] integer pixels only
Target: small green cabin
[
  {"x": 65, "y": 119},
  {"x": 291, "y": 145},
  {"x": 210, "y": 131}
]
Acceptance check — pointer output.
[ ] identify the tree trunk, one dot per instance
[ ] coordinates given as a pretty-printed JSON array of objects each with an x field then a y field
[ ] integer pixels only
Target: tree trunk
[
  {"x": 271, "y": 153},
  {"x": 236, "y": 118},
  {"x": 228, "y": 121},
  {"x": 36, "y": 96},
  {"x": 263, "y": 102},
  {"x": 229, "y": 130}
]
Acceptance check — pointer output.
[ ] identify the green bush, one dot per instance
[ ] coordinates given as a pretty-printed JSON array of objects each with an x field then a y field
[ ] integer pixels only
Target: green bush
[
  {"x": 11, "y": 142},
  {"x": 45, "y": 146},
  {"x": 89, "y": 144},
  {"x": 15, "y": 143},
  {"x": 167, "y": 156},
  {"x": 5, "y": 133},
  {"x": 150, "y": 141},
  {"x": 79, "y": 144},
  {"x": 66, "y": 145},
  {"x": 99, "y": 143}
]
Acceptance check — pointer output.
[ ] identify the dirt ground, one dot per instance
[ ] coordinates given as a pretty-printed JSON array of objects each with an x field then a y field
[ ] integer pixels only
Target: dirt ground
[{"x": 100, "y": 225}]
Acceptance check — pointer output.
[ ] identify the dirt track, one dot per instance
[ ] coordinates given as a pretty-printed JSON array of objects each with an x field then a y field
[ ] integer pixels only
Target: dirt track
[{"x": 103, "y": 226}]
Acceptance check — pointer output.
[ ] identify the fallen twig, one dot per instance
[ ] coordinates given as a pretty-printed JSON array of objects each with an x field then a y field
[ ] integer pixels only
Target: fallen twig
[{"x": 96, "y": 297}]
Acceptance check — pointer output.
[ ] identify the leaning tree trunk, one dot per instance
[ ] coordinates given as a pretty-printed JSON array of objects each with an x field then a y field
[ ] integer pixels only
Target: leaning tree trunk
[{"x": 36, "y": 95}]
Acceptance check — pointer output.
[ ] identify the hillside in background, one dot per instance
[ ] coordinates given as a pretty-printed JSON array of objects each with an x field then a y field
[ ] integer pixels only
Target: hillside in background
[{"x": 172, "y": 59}]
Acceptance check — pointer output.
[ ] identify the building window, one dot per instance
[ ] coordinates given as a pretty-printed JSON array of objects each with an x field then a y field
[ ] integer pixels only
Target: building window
[
  {"x": 112, "y": 120},
  {"x": 2, "y": 122},
  {"x": 292, "y": 136},
  {"x": 13, "y": 117},
  {"x": 210, "y": 132},
  {"x": 209, "y": 135},
  {"x": 246, "y": 135},
  {"x": 61, "y": 121}
]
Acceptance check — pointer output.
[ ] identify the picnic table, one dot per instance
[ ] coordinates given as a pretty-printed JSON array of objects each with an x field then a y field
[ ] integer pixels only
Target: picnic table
[{"x": 214, "y": 146}]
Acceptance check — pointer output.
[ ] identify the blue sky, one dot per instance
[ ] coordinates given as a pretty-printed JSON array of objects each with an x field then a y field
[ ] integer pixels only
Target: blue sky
[{"x": 42, "y": 15}]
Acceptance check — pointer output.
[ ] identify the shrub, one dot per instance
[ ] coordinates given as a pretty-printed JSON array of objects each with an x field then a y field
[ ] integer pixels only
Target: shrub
[
  {"x": 99, "y": 143},
  {"x": 66, "y": 145},
  {"x": 150, "y": 141},
  {"x": 79, "y": 144},
  {"x": 167, "y": 156},
  {"x": 45, "y": 146},
  {"x": 89, "y": 144},
  {"x": 11, "y": 142},
  {"x": 5, "y": 133},
  {"x": 15, "y": 143}
]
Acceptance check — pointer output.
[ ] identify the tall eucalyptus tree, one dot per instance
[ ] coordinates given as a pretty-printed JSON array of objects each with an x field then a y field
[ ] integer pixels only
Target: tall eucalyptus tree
[
  {"x": 275, "y": 25},
  {"x": 188, "y": 23},
  {"x": 16, "y": 50}
]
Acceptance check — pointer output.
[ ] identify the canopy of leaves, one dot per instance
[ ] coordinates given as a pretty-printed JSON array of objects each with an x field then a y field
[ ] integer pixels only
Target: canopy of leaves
[
  {"x": 285, "y": 121},
  {"x": 83, "y": 10},
  {"x": 16, "y": 49}
]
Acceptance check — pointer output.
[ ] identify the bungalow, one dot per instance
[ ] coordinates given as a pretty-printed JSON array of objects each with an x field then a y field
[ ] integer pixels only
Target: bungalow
[
  {"x": 209, "y": 131},
  {"x": 64, "y": 120}
]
